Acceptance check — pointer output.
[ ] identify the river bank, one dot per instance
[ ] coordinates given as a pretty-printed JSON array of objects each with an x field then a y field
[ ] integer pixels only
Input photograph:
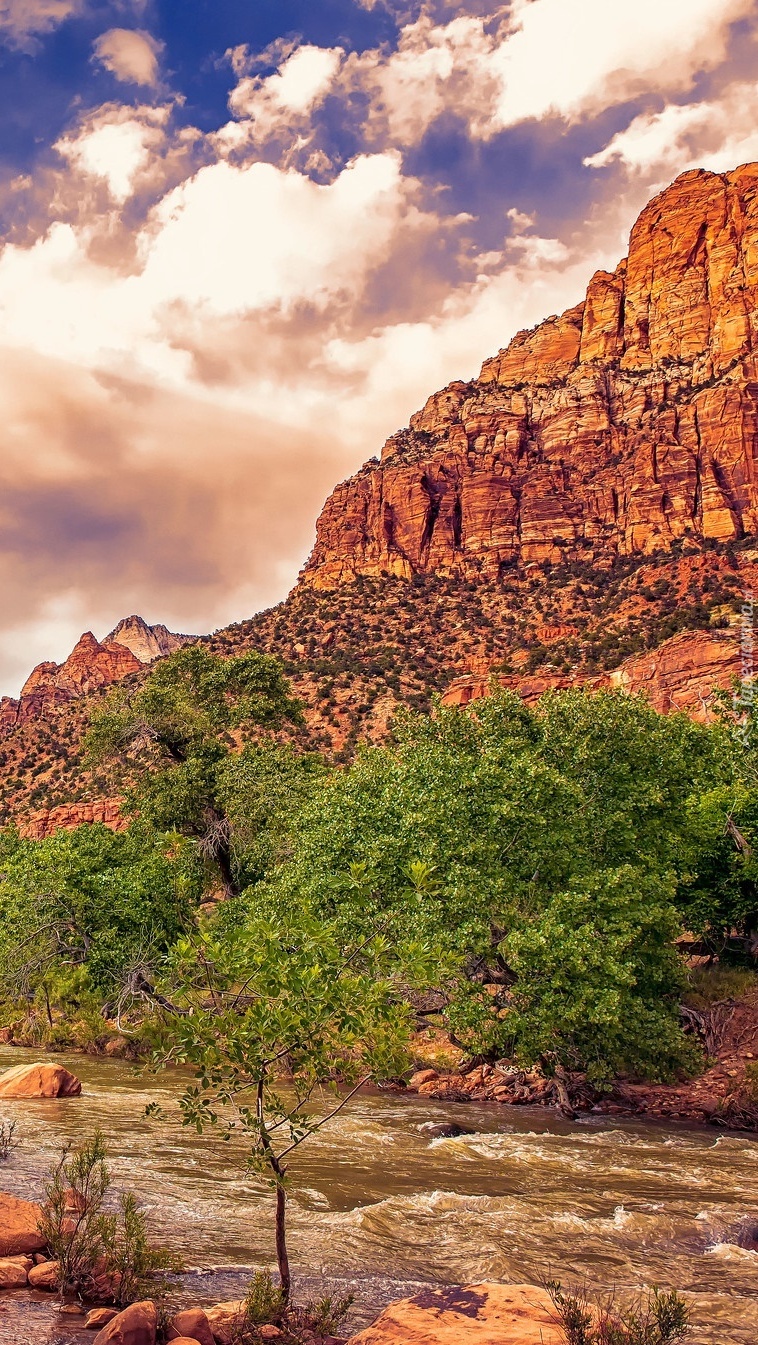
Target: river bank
[{"x": 380, "y": 1204}]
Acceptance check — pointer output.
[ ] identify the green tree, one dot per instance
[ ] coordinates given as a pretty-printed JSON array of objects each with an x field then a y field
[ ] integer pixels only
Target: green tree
[
  {"x": 178, "y": 731},
  {"x": 78, "y": 908},
  {"x": 563, "y": 827},
  {"x": 271, "y": 1014}
]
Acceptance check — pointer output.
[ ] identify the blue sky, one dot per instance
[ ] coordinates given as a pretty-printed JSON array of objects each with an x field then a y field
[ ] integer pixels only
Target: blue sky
[{"x": 241, "y": 242}]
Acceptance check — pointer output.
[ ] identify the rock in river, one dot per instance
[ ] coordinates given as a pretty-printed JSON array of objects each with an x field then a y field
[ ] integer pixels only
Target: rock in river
[
  {"x": 136, "y": 1325},
  {"x": 192, "y": 1323},
  {"x": 19, "y": 1232},
  {"x": 475, "y": 1314},
  {"x": 39, "y": 1080}
]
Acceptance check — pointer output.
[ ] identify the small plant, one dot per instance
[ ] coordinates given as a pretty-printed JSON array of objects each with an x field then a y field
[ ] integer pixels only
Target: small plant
[
  {"x": 8, "y": 1141},
  {"x": 136, "y": 1268},
  {"x": 266, "y": 1306},
  {"x": 102, "y": 1255},
  {"x": 751, "y": 1080},
  {"x": 326, "y": 1315},
  {"x": 264, "y": 1302},
  {"x": 657, "y": 1318}
]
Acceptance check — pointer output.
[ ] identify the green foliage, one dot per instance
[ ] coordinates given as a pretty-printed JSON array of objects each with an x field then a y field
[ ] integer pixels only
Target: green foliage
[
  {"x": 78, "y": 908},
  {"x": 657, "y": 1318},
  {"x": 713, "y": 985},
  {"x": 101, "y": 1254},
  {"x": 557, "y": 838},
  {"x": 178, "y": 730},
  {"x": 598, "y": 980},
  {"x": 280, "y": 997},
  {"x": 263, "y": 1301}
]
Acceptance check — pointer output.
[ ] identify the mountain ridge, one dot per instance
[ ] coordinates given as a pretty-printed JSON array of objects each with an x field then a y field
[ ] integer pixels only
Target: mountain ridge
[
  {"x": 617, "y": 427},
  {"x": 582, "y": 514}
]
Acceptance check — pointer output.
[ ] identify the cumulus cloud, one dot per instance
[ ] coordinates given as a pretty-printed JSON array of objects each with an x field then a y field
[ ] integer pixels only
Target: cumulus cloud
[
  {"x": 131, "y": 54},
  {"x": 717, "y": 134},
  {"x": 21, "y": 20},
  {"x": 496, "y": 67},
  {"x": 299, "y": 85},
  {"x": 117, "y": 145}
]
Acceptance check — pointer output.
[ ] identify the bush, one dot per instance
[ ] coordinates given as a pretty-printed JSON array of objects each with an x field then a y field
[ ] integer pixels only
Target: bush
[
  {"x": 101, "y": 1255},
  {"x": 657, "y": 1318}
]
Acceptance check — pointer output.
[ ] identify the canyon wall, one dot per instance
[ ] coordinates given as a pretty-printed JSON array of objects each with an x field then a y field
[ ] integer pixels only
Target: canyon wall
[{"x": 625, "y": 425}]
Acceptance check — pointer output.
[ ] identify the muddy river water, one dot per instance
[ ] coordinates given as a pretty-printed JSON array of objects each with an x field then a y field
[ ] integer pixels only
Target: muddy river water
[{"x": 380, "y": 1207}]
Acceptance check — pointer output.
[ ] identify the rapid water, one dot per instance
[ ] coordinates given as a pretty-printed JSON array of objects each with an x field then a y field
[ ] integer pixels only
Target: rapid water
[{"x": 380, "y": 1207}]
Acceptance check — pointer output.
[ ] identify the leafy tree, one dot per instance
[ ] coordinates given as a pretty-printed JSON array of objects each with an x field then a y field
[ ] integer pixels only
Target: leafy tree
[
  {"x": 268, "y": 1016},
  {"x": 178, "y": 731},
  {"x": 557, "y": 837},
  {"x": 77, "y": 908}
]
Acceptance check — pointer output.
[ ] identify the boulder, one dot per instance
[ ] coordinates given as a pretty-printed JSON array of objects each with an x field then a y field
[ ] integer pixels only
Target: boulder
[
  {"x": 444, "y": 1130},
  {"x": 223, "y": 1320},
  {"x": 44, "y": 1276},
  {"x": 19, "y": 1226},
  {"x": 474, "y": 1314},
  {"x": 136, "y": 1325},
  {"x": 190, "y": 1324},
  {"x": 422, "y": 1076},
  {"x": 183, "y": 1340},
  {"x": 14, "y": 1272},
  {"x": 99, "y": 1317},
  {"x": 39, "y": 1080}
]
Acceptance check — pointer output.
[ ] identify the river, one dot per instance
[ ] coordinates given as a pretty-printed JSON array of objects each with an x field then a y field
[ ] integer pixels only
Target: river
[{"x": 379, "y": 1207}]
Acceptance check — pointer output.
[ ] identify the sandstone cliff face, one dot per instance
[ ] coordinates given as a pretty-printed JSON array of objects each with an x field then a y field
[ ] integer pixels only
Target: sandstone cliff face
[
  {"x": 682, "y": 674},
  {"x": 36, "y": 826},
  {"x": 620, "y": 427},
  {"x": 90, "y": 665},
  {"x": 147, "y": 643}
]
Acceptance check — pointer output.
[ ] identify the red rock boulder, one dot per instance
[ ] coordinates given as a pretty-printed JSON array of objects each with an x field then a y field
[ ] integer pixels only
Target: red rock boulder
[
  {"x": 136, "y": 1325},
  {"x": 45, "y": 1275},
  {"x": 19, "y": 1226},
  {"x": 39, "y": 1080},
  {"x": 14, "y": 1271},
  {"x": 191, "y": 1324},
  {"x": 475, "y": 1314}
]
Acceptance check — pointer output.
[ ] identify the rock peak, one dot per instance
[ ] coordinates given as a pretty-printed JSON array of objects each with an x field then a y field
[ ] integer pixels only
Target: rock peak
[{"x": 624, "y": 425}]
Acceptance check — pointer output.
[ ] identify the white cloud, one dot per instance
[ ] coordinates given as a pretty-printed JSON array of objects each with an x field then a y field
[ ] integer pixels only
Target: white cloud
[
  {"x": 577, "y": 56},
  {"x": 22, "y": 19},
  {"x": 117, "y": 145},
  {"x": 283, "y": 99},
  {"x": 717, "y": 134},
  {"x": 532, "y": 59},
  {"x": 131, "y": 54}
]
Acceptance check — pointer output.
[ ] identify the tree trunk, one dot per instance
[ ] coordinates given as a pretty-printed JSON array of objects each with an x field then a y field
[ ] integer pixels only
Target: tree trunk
[
  {"x": 224, "y": 861},
  {"x": 282, "y": 1260}
]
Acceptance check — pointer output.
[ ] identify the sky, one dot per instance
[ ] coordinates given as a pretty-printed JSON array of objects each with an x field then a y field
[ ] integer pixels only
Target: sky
[{"x": 241, "y": 241}]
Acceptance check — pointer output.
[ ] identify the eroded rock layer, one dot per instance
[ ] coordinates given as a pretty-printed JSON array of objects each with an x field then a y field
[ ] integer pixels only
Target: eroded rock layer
[{"x": 618, "y": 428}]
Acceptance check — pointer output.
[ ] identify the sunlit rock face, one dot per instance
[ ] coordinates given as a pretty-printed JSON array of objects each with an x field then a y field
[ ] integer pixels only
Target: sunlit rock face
[
  {"x": 622, "y": 426},
  {"x": 91, "y": 664}
]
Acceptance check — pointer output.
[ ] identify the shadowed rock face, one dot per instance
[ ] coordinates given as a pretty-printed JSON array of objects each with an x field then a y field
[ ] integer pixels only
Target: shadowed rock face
[{"x": 627, "y": 423}]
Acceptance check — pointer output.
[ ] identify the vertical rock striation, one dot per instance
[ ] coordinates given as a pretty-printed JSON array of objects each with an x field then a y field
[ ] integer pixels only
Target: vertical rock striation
[{"x": 620, "y": 427}]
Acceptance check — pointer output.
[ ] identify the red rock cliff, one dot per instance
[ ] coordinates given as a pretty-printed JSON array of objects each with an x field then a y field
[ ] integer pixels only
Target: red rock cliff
[{"x": 626, "y": 423}]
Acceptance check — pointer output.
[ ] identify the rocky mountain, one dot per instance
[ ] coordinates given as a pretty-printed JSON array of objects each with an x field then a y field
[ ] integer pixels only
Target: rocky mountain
[
  {"x": 42, "y": 729},
  {"x": 622, "y": 427},
  {"x": 90, "y": 665},
  {"x": 147, "y": 643},
  {"x": 582, "y": 513}
]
